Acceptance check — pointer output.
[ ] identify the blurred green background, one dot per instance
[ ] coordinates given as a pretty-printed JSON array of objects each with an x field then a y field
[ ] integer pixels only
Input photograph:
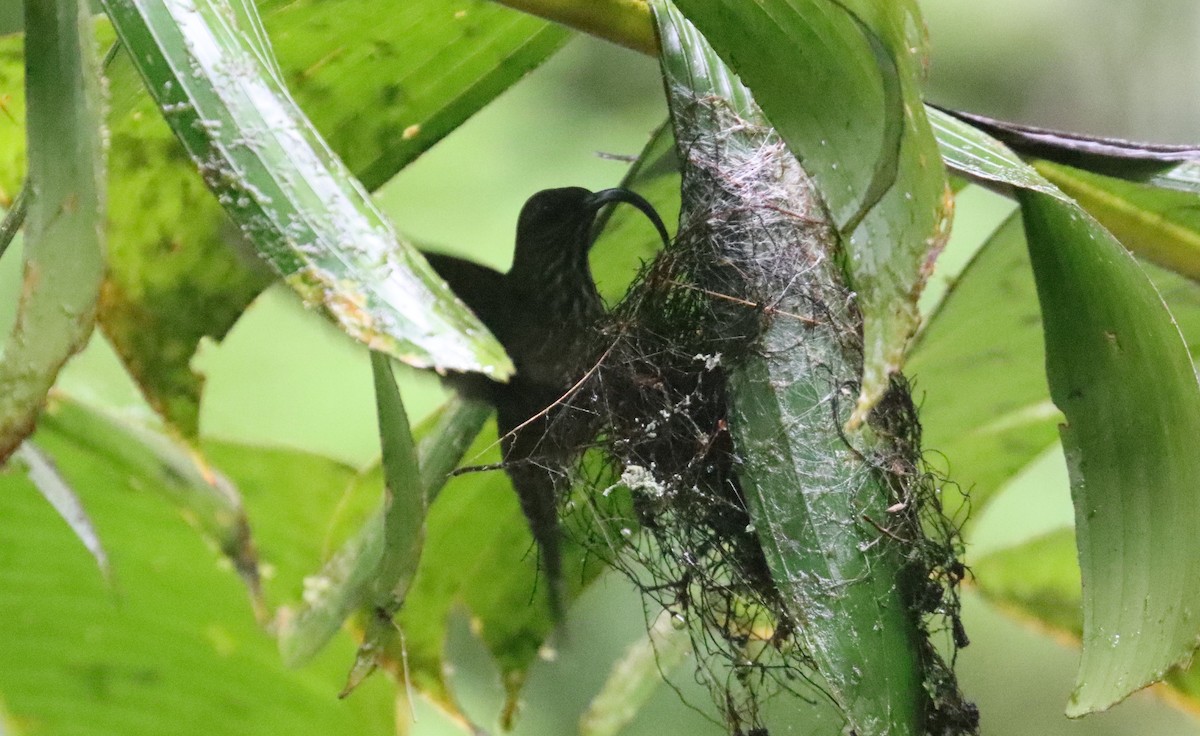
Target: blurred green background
[{"x": 1113, "y": 67}]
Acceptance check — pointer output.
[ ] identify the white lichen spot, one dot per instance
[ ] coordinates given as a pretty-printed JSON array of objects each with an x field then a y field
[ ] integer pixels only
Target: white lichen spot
[
  {"x": 316, "y": 587},
  {"x": 640, "y": 480}
]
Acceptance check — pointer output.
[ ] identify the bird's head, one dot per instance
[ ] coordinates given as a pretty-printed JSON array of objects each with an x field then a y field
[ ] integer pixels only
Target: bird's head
[{"x": 554, "y": 230}]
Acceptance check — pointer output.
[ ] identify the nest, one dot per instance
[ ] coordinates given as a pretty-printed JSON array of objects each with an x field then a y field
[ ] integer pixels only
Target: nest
[{"x": 754, "y": 252}]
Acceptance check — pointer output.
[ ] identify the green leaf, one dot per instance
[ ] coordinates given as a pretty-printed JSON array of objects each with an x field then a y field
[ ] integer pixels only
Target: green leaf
[
  {"x": 64, "y": 243},
  {"x": 974, "y": 154},
  {"x": 445, "y": 60},
  {"x": 404, "y": 507},
  {"x": 293, "y": 198},
  {"x": 176, "y": 642},
  {"x": 1128, "y": 160},
  {"x": 404, "y": 496},
  {"x": 1157, "y": 217},
  {"x": 346, "y": 581},
  {"x": 1130, "y": 447},
  {"x": 1160, "y": 225},
  {"x": 854, "y": 618},
  {"x": 57, "y": 491},
  {"x": 867, "y": 146},
  {"x": 986, "y": 405},
  {"x": 165, "y": 467}
]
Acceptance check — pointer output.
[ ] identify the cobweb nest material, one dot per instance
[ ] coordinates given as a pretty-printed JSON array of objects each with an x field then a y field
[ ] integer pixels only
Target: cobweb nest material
[{"x": 753, "y": 248}]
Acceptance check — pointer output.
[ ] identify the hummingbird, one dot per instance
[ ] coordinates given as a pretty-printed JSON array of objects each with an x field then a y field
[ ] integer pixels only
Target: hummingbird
[{"x": 544, "y": 312}]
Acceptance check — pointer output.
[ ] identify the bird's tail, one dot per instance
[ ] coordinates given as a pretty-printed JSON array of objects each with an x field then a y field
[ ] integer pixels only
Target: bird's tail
[{"x": 537, "y": 491}]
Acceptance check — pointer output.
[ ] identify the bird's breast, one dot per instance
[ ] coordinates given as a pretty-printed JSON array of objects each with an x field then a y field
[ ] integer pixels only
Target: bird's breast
[{"x": 556, "y": 334}]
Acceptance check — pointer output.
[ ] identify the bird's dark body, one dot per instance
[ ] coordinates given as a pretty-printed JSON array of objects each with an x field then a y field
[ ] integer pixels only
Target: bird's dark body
[{"x": 543, "y": 311}]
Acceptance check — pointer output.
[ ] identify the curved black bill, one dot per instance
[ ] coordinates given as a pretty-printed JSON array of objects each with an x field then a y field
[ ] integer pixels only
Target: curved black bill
[{"x": 620, "y": 194}]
